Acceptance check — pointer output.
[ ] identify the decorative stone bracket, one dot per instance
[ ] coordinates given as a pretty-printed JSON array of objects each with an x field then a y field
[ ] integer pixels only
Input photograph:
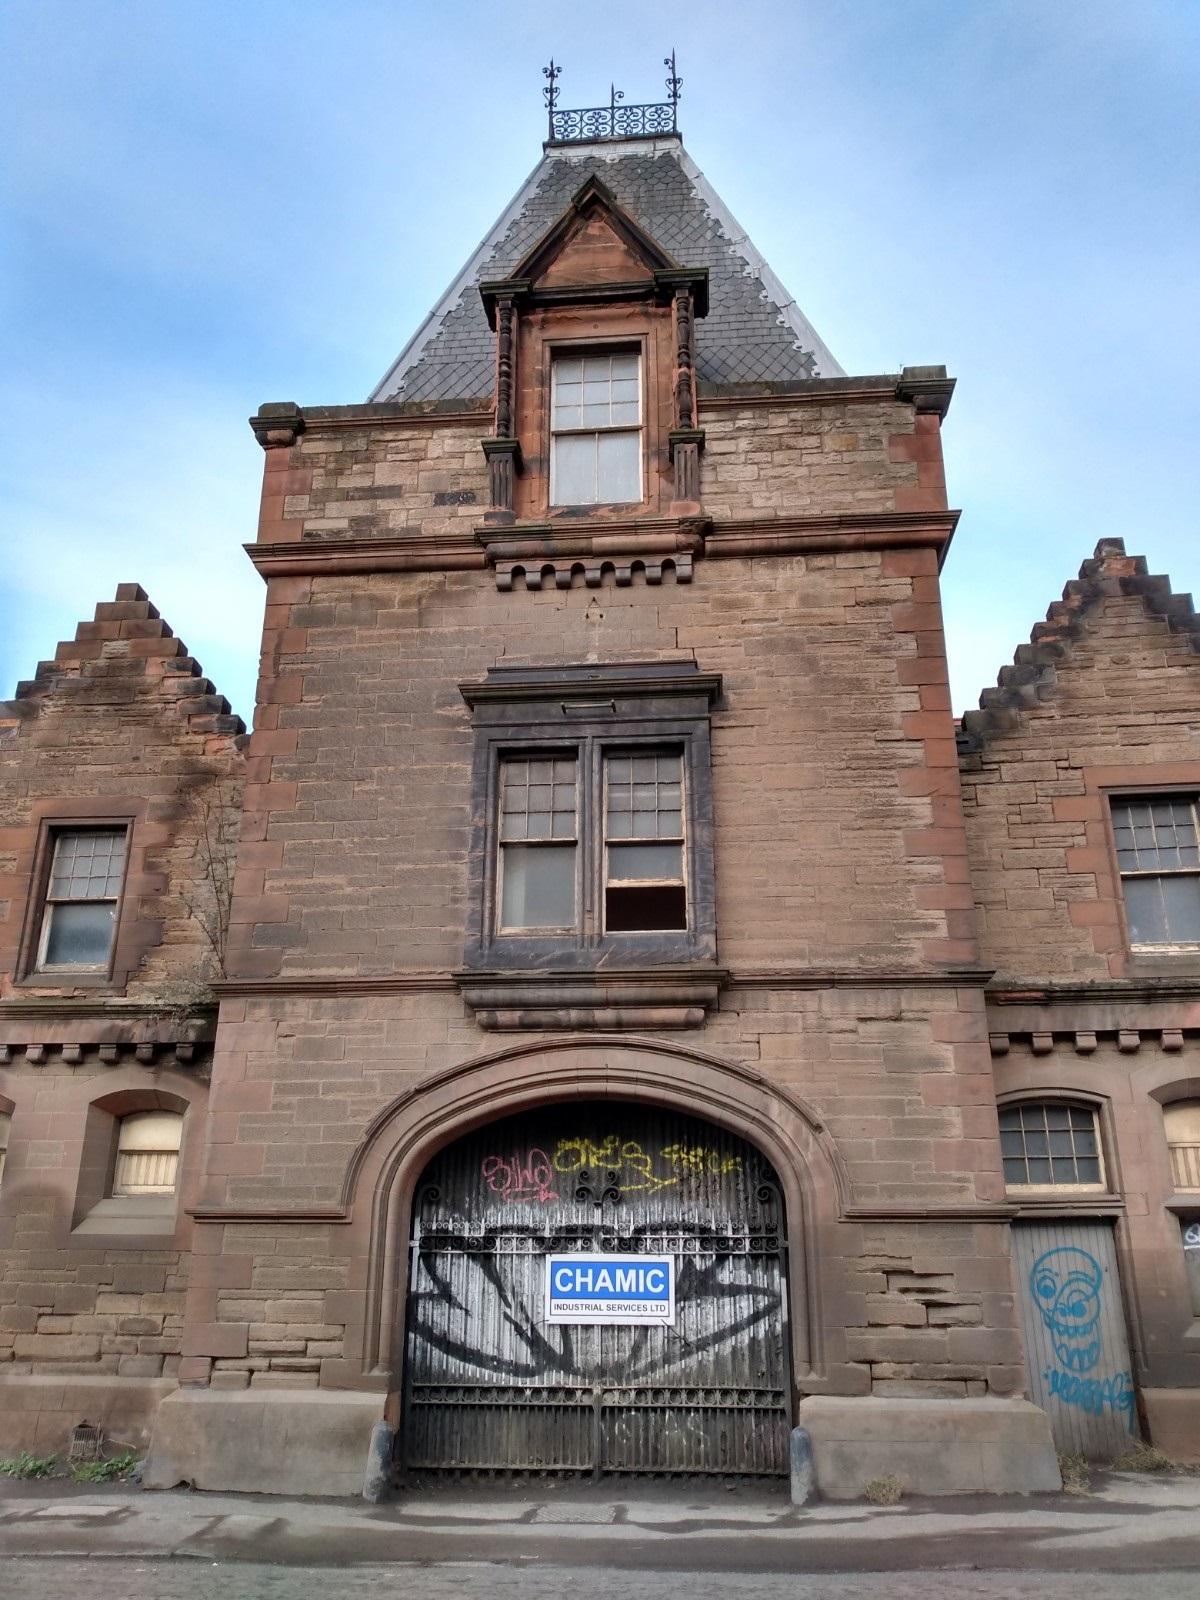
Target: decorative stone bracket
[
  {"x": 672, "y": 998},
  {"x": 553, "y": 555},
  {"x": 278, "y": 424},
  {"x": 1084, "y": 1041}
]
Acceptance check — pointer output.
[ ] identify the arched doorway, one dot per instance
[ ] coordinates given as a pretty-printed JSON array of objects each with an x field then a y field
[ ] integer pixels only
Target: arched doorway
[{"x": 494, "y": 1382}]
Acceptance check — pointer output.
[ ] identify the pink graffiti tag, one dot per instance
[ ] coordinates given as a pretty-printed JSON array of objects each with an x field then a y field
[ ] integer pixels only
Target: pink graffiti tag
[{"x": 527, "y": 1177}]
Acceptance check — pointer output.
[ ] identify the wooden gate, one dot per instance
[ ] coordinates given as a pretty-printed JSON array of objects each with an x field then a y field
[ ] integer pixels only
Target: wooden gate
[
  {"x": 1075, "y": 1342},
  {"x": 490, "y": 1385}
]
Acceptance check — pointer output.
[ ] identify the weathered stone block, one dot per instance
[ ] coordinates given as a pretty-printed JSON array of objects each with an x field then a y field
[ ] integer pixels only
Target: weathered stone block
[
  {"x": 265, "y": 1441},
  {"x": 934, "y": 1446}
]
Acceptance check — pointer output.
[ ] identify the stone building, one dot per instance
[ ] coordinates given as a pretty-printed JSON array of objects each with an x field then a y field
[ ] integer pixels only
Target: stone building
[{"x": 612, "y": 882}]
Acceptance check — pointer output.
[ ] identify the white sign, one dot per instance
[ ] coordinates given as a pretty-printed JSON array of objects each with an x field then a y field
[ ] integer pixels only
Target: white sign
[{"x": 610, "y": 1288}]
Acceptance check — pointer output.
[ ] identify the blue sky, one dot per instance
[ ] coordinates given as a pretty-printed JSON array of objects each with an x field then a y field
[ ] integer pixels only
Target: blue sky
[{"x": 212, "y": 205}]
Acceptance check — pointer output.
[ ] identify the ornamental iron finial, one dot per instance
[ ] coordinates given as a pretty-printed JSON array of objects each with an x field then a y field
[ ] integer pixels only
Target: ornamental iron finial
[
  {"x": 550, "y": 92},
  {"x": 674, "y": 81},
  {"x": 615, "y": 120}
]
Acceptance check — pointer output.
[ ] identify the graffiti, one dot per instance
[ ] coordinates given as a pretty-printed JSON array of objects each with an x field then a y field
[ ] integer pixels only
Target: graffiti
[
  {"x": 1093, "y": 1394},
  {"x": 527, "y": 1177},
  {"x": 724, "y": 1293},
  {"x": 697, "y": 1160},
  {"x": 636, "y": 1168},
  {"x": 490, "y": 1379},
  {"x": 532, "y": 1175},
  {"x": 1066, "y": 1290}
]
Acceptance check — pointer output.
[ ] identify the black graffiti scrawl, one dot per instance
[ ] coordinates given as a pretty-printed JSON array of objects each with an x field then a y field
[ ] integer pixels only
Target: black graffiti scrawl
[{"x": 596, "y": 1178}]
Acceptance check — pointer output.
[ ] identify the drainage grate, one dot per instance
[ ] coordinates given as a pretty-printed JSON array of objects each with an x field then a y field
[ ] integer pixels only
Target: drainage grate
[
  {"x": 578, "y": 1513},
  {"x": 87, "y": 1443}
]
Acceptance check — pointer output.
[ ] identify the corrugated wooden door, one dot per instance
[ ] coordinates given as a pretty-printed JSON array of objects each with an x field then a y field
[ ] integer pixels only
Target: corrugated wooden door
[
  {"x": 490, "y": 1385},
  {"x": 1075, "y": 1343}
]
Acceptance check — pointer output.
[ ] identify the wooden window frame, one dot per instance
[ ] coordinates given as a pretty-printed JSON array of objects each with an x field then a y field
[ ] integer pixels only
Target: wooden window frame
[
  {"x": 558, "y": 353},
  {"x": 135, "y": 932},
  {"x": 1137, "y": 796},
  {"x": 590, "y": 712},
  {"x": 1058, "y": 1193},
  {"x": 506, "y": 759},
  {"x": 49, "y": 901}
]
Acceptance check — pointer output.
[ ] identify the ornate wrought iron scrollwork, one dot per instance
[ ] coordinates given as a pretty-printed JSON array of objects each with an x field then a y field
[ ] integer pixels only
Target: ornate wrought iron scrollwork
[
  {"x": 597, "y": 1188},
  {"x": 615, "y": 120},
  {"x": 770, "y": 1198}
]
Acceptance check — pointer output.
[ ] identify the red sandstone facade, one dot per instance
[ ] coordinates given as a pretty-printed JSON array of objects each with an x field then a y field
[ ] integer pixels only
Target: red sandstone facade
[{"x": 913, "y": 922}]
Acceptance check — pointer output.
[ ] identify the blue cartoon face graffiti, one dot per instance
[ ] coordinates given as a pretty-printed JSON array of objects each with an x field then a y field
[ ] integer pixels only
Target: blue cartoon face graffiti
[{"x": 1066, "y": 1290}]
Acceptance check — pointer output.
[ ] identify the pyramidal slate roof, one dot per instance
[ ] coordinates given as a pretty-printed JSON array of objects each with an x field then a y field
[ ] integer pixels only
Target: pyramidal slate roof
[{"x": 754, "y": 332}]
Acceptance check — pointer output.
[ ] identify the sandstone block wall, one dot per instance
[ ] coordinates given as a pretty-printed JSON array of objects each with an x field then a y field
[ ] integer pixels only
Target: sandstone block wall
[
  {"x": 1112, "y": 706},
  {"x": 1129, "y": 1087},
  {"x": 121, "y": 722},
  {"x": 121, "y": 725},
  {"x": 783, "y": 460},
  {"x": 87, "y": 1303},
  {"x": 356, "y": 829}
]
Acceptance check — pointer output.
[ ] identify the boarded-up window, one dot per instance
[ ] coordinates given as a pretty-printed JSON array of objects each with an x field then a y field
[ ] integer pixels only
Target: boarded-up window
[
  {"x": 1182, "y": 1124},
  {"x": 148, "y": 1153}
]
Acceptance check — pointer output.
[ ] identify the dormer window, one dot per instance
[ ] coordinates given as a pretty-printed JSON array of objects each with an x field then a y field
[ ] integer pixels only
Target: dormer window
[{"x": 596, "y": 429}]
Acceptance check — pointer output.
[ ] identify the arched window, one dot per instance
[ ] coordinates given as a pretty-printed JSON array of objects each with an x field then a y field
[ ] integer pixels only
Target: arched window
[
  {"x": 147, "y": 1153},
  {"x": 5, "y": 1125},
  {"x": 1182, "y": 1124},
  {"x": 1050, "y": 1145}
]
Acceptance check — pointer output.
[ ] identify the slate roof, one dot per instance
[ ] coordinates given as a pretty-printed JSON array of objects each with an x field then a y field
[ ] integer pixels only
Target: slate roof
[{"x": 754, "y": 331}]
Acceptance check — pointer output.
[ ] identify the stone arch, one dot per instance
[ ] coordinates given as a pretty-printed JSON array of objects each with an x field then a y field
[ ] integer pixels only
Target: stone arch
[{"x": 406, "y": 1134}]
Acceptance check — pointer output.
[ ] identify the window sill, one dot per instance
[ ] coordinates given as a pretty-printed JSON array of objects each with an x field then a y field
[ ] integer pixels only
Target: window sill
[
  {"x": 677, "y": 997},
  {"x": 1162, "y": 961},
  {"x": 129, "y": 1222},
  {"x": 59, "y": 978},
  {"x": 1093, "y": 1202}
]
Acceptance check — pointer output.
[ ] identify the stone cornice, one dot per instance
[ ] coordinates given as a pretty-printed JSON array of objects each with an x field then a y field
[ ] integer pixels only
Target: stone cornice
[
  {"x": 925, "y": 388},
  {"x": 623, "y": 536},
  {"x": 32, "y": 1026},
  {"x": 935, "y": 1211},
  {"x": 839, "y": 530},
  {"x": 857, "y": 978},
  {"x": 331, "y": 986},
  {"x": 282, "y": 422},
  {"x": 401, "y": 553},
  {"x": 651, "y": 541},
  {"x": 1138, "y": 991}
]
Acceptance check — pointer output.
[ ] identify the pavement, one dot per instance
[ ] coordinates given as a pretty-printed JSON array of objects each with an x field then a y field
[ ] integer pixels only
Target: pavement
[{"x": 1134, "y": 1537}]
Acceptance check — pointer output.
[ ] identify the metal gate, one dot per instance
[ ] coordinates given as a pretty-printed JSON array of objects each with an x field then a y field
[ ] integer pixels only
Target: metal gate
[
  {"x": 489, "y": 1385},
  {"x": 1079, "y": 1369}
]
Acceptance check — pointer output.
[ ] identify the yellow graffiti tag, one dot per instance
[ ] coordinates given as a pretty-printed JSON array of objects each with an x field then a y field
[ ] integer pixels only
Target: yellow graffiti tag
[
  {"x": 577, "y": 1155},
  {"x": 696, "y": 1159}
]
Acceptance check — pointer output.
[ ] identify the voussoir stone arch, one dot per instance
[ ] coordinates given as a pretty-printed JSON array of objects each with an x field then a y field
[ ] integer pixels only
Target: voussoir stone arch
[{"x": 407, "y": 1133}]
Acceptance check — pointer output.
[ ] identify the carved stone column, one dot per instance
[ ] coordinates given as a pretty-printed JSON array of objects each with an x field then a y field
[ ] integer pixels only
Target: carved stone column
[
  {"x": 503, "y": 451},
  {"x": 686, "y": 439}
]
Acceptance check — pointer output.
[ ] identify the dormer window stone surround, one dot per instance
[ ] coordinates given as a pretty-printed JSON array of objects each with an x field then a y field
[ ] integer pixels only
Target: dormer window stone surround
[{"x": 596, "y": 284}]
